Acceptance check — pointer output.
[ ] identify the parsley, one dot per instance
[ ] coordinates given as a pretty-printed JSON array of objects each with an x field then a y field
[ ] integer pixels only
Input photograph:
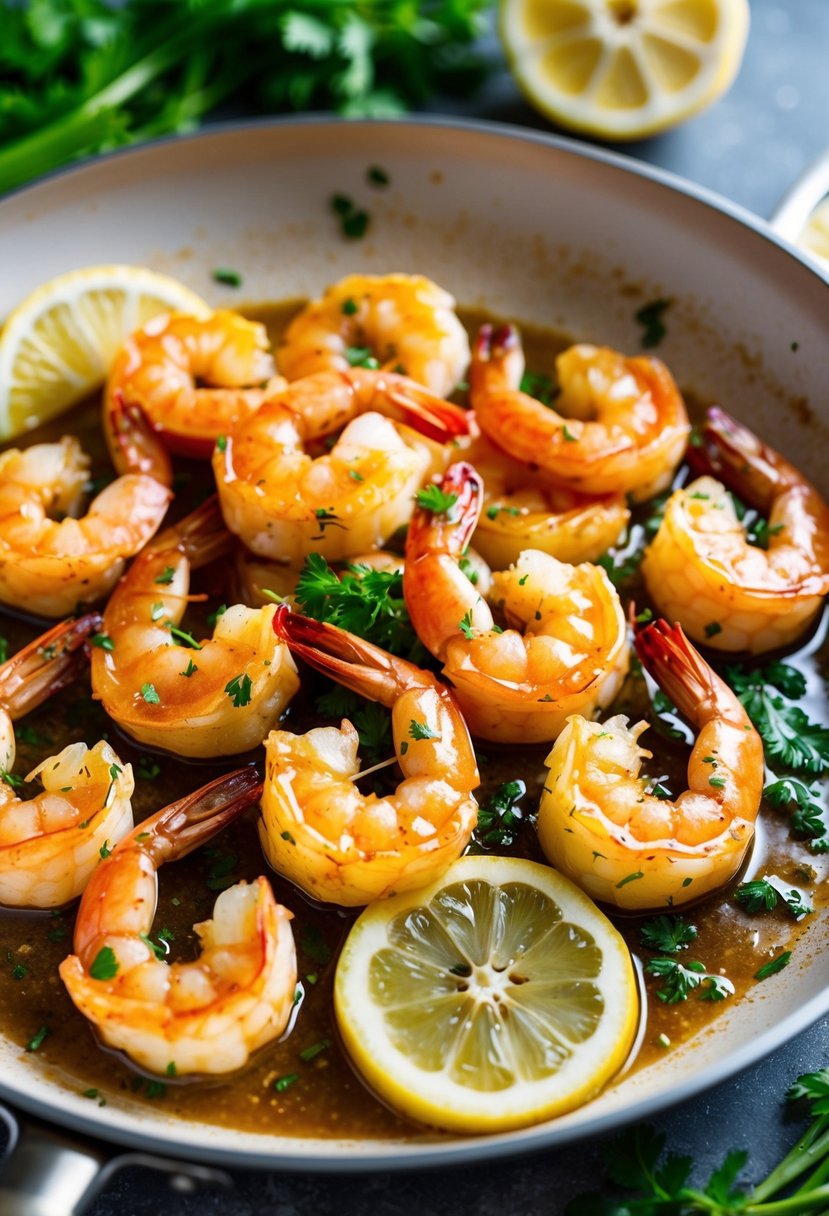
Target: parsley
[
  {"x": 77, "y": 78},
  {"x": 788, "y": 735},
  {"x": 348, "y": 307},
  {"x": 420, "y": 731},
  {"x": 313, "y": 945},
  {"x": 103, "y": 640},
  {"x": 776, "y": 964},
  {"x": 500, "y": 817},
  {"x": 807, "y": 820},
  {"x": 310, "y": 1053},
  {"x": 147, "y": 769},
  {"x": 239, "y": 690},
  {"x": 621, "y": 570},
  {"x": 712, "y": 629},
  {"x": 11, "y": 779},
  {"x": 432, "y": 498},
  {"x": 538, "y": 385},
  {"x": 764, "y": 894},
  {"x": 568, "y": 435},
  {"x": 220, "y": 876},
  {"x": 361, "y": 356},
  {"x": 227, "y": 277},
  {"x": 680, "y": 981},
  {"x": 372, "y": 721},
  {"x": 105, "y": 851},
  {"x": 189, "y": 670},
  {"x": 327, "y": 517},
  {"x": 36, "y": 1041},
  {"x": 150, "y": 695},
  {"x": 376, "y": 176},
  {"x": 283, "y": 1083},
  {"x": 364, "y": 601},
  {"x": 354, "y": 221},
  {"x": 104, "y": 965},
  {"x": 667, "y": 934},
  {"x": 465, "y": 625},
  {"x": 166, "y": 576},
  {"x": 214, "y": 616},
  {"x": 649, "y": 316}
]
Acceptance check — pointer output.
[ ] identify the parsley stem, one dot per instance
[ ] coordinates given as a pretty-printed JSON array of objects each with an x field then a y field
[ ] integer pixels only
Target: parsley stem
[
  {"x": 810, "y": 1148},
  {"x": 795, "y": 1204}
]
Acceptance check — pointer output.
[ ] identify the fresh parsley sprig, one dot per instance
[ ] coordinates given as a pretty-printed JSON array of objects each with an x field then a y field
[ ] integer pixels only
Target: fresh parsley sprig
[
  {"x": 500, "y": 817},
  {"x": 808, "y": 818},
  {"x": 789, "y": 736},
  {"x": 680, "y": 980},
  {"x": 667, "y": 934}
]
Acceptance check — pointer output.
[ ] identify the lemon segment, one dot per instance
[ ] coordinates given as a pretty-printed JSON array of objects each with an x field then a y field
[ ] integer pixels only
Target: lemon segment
[
  {"x": 498, "y": 997},
  {"x": 815, "y": 236},
  {"x": 623, "y": 69},
  {"x": 57, "y": 346}
]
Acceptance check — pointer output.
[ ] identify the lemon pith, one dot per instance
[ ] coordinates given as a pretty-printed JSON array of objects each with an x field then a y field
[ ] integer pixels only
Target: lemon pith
[
  {"x": 58, "y": 344},
  {"x": 498, "y": 997},
  {"x": 623, "y": 69}
]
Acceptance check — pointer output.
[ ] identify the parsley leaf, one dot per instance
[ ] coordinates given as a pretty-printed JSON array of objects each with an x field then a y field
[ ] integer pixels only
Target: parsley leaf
[
  {"x": 500, "y": 817},
  {"x": 432, "y": 498},
  {"x": 667, "y": 934},
  {"x": 680, "y": 981},
  {"x": 788, "y": 735},
  {"x": 764, "y": 894},
  {"x": 239, "y": 690}
]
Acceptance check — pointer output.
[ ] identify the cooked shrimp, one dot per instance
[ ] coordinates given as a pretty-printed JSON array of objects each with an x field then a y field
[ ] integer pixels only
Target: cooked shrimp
[
  {"x": 205, "y": 1016},
  {"x": 700, "y": 568},
  {"x": 403, "y": 322},
  {"x": 564, "y": 648},
  {"x": 622, "y": 428},
  {"x": 50, "y": 844},
  {"x": 283, "y": 504},
  {"x": 598, "y": 822},
  {"x": 217, "y": 697},
  {"x": 52, "y": 558},
  {"x": 522, "y": 509},
  {"x": 318, "y": 829},
  {"x": 192, "y": 377}
]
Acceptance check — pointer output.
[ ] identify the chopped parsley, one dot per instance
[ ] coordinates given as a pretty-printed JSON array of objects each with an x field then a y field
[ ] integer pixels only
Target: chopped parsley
[
  {"x": 150, "y": 695},
  {"x": 363, "y": 601},
  {"x": 227, "y": 277},
  {"x": 500, "y": 817},
  {"x": 166, "y": 576},
  {"x": 667, "y": 934},
  {"x": 788, "y": 735},
  {"x": 776, "y": 964},
  {"x": 650, "y": 317},
  {"x": 354, "y": 221},
  {"x": 679, "y": 981},
  {"x": 432, "y": 498},
  {"x": 764, "y": 894},
  {"x": 239, "y": 690},
  {"x": 104, "y": 965},
  {"x": 420, "y": 731}
]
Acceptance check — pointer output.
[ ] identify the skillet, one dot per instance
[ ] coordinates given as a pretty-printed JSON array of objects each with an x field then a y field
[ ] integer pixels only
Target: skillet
[{"x": 531, "y": 227}]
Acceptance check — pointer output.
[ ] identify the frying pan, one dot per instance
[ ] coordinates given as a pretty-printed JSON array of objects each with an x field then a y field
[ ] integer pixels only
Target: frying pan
[{"x": 533, "y": 228}]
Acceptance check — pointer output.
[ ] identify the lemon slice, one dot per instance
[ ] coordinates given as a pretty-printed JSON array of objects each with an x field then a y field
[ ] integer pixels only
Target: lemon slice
[
  {"x": 815, "y": 236},
  {"x": 497, "y": 997},
  {"x": 58, "y": 344},
  {"x": 621, "y": 69}
]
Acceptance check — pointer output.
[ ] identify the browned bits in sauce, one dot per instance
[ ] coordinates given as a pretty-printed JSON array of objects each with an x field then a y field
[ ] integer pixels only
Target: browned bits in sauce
[{"x": 327, "y": 1098}]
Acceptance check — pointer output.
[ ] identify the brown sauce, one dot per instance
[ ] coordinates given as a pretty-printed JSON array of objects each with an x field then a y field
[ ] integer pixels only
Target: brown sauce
[{"x": 328, "y": 1099}]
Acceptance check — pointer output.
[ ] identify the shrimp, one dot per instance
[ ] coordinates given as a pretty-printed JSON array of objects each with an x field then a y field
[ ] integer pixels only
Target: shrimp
[
  {"x": 205, "y": 1016},
  {"x": 403, "y": 322},
  {"x": 284, "y": 504},
  {"x": 318, "y": 829},
  {"x": 216, "y": 697},
  {"x": 52, "y": 558},
  {"x": 700, "y": 568},
  {"x": 564, "y": 648},
  {"x": 599, "y": 824},
  {"x": 50, "y": 844},
  {"x": 623, "y": 426},
  {"x": 191, "y": 377},
  {"x": 522, "y": 509}
]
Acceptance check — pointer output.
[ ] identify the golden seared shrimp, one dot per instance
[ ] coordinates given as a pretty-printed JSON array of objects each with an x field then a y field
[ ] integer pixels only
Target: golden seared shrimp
[
  {"x": 50, "y": 844},
  {"x": 700, "y": 568},
  {"x": 176, "y": 1019},
  {"x": 522, "y": 509},
  {"x": 564, "y": 649},
  {"x": 191, "y": 377},
  {"x": 283, "y": 504},
  {"x": 53, "y": 557},
  {"x": 404, "y": 322},
  {"x": 599, "y": 824},
  {"x": 318, "y": 829},
  {"x": 619, "y": 426},
  {"x": 217, "y": 697}
]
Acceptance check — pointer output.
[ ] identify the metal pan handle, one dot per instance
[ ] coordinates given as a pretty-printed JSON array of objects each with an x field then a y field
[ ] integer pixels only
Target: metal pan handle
[
  {"x": 794, "y": 209},
  {"x": 50, "y": 1172}
]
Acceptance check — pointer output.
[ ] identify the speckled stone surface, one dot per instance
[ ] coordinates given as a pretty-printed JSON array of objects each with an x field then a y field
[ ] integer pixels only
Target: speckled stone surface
[{"x": 749, "y": 148}]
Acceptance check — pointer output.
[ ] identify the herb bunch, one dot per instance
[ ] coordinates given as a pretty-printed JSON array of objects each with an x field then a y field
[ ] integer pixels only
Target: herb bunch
[{"x": 84, "y": 76}]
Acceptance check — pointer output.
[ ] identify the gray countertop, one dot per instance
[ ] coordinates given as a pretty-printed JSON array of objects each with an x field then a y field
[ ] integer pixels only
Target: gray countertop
[{"x": 749, "y": 147}]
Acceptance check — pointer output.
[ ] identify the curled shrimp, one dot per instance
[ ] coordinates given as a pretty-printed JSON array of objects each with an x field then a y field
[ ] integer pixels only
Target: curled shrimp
[
  {"x": 318, "y": 829},
  {"x": 622, "y": 428},
  {"x": 283, "y": 504},
  {"x": 205, "y": 1016},
  {"x": 216, "y": 697},
  {"x": 522, "y": 509},
  {"x": 191, "y": 377},
  {"x": 50, "y": 844},
  {"x": 404, "y": 322},
  {"x": 599, "y": 824},
  {"x": 53, "y": 557},
  {"x": 700, "y": 568},
  {"x": 564, "y": 648}
]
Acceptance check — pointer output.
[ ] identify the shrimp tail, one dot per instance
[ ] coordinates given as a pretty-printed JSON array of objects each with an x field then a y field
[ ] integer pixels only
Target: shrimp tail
[
  {"x": 430, "y": 415},
  {"x": 496, "y": 343},
  {"x": 734, "y": 454},
  {"x": 184, "y": 825},
  {"x": 201, "y": 536},
  {"x": 683, "y": 674},
  {"x": 450, "y": 531},
  {"x": 351, "y": 661},
  {"x": 134, "y": 445},
  {"x": 48, "y": 664}
]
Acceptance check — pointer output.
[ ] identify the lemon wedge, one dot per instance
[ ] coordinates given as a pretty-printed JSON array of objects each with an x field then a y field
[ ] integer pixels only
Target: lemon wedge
[
  {"x": 815, "y": 236},
  {"x": 58, "y": 344},
  {"x": 495, "y": 998},
  {"x": 622, "y": 69}
]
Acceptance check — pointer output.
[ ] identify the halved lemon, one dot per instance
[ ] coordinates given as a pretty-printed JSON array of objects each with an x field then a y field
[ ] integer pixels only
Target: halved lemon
[
  {"x": 622, "y": 69},
  {"x": 498, "y": 997},
  {"x": 815, "y": 236},
  {"x": 58, "y": 345}
]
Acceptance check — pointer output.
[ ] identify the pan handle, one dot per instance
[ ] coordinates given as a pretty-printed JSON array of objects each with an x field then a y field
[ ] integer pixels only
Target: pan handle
[
  {"x": 50, "y": 1172},
  {"x": 789, "y": 217}
]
